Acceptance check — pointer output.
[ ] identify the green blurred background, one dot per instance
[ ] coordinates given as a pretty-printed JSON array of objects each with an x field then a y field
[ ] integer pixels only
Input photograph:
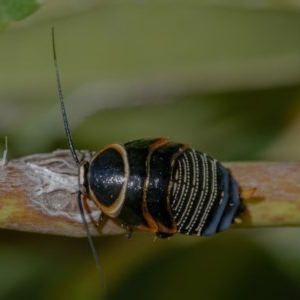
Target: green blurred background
[{"x": 223, "y": 76}]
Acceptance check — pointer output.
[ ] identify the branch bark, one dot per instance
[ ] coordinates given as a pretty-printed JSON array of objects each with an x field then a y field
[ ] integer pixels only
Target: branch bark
[{"x": 38, "y": 194}]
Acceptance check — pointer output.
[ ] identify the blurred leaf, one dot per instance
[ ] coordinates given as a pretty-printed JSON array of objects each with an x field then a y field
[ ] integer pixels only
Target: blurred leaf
[
  {"x": 16, "y": 10},
  {"x": 115, "y": 56},
  {"x": 213, "y": 268}
]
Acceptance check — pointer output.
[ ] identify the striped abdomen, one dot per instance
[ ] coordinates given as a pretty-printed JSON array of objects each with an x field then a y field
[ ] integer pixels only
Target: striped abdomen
[
  {"x": 163, "y": 187},
  {"x": 204, "y": 196}
]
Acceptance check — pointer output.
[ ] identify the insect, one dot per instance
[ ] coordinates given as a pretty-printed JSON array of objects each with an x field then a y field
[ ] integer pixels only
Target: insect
[
  {"x": 161, "y": 186},
  {"x": 156, "y": 185}
]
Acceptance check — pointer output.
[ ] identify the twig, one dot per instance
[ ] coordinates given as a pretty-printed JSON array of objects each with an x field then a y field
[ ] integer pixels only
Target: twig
[
  {"x": 38, "y": 194},
  {"x": 276, "y": 200}
]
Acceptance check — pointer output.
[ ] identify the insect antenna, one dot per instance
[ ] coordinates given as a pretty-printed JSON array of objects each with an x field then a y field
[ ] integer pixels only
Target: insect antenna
[
  {"x": 62, "y": 105},
  {"x": 75, "y": 157}
]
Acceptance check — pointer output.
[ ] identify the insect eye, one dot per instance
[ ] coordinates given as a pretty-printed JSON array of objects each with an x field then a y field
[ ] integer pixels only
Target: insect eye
[{"x": 83, "y": 180}]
